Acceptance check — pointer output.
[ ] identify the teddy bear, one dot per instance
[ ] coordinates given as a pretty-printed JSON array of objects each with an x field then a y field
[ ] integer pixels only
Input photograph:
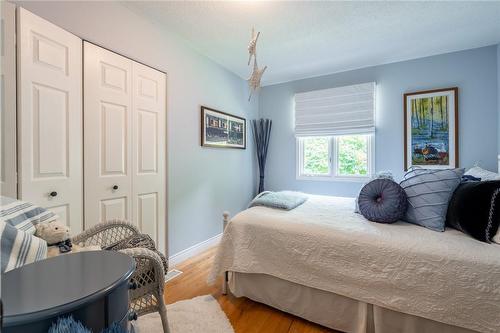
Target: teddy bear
[{"x": 56, "y": 234}]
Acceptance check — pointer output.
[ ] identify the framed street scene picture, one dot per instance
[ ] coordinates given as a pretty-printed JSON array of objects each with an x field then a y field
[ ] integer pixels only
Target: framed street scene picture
[
  {"x": 431, "y": 129},
  {"x": 222, "y": 130}
]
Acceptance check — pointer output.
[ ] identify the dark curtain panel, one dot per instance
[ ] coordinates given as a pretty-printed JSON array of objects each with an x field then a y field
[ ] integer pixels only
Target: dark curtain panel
[{"x": 261, "y": 133}]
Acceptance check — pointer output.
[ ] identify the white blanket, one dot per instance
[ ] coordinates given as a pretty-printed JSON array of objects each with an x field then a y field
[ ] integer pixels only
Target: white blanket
[{"x": 444, "y": 276}]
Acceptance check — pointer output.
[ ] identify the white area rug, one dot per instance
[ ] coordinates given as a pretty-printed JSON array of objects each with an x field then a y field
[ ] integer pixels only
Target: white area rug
[{"x": 198, "y": 315}]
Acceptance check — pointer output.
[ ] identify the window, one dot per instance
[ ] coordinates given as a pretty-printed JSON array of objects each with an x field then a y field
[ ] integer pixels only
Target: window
[
  {"x": 341, "y": 157},
  {"x": 316, "y": 156},
  {"x": 335, "y": 133},
  {"x": 352, "y": 155}
]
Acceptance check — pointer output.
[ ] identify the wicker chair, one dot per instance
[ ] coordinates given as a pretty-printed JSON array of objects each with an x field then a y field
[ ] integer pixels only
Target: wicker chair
[{"x": 149, "y": 275}]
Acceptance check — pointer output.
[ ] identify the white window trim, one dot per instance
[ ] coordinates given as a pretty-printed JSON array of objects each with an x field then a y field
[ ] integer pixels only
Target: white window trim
[{"x": 333, "y": 163}]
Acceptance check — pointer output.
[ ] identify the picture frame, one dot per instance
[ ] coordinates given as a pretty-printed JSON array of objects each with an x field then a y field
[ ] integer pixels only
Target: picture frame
[
  {"x": 431, "y": 129},
  {"x": 222, "y": 130}
]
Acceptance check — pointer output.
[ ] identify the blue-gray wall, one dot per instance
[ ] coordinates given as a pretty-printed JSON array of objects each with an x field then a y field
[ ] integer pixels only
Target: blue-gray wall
[
  {"x": 202, "y": 182},
  {"x": 498, "y": 95},
  {"x": 474, "y": 72}
]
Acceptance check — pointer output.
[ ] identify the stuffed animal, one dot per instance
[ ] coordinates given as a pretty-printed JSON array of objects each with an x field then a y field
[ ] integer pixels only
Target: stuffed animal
[{"x": 56, "y": 234}]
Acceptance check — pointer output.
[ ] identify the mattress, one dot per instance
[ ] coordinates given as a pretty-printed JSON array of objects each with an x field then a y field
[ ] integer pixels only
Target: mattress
[{"x": 442, "y": 276}]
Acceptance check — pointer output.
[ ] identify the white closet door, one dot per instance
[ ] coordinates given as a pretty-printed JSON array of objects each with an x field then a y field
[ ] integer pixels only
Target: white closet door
[
  {"x": 148, "y": 128},
  {"x": 8, "y": 175},
  {"x": 50, "y": 117},
  {"x": 107, "y": 135}
]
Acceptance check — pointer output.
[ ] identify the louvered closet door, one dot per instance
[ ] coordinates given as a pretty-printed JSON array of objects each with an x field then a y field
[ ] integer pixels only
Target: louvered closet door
[
  {"x": 8, "y": 175},
  {"x": 107, "y": 135},
  {"x": 50, "y": 117},
  {"x": 149, "y": 184}
]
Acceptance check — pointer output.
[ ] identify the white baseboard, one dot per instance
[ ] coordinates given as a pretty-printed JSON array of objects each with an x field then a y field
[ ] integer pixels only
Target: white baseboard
[{"x": 192, "y": 251}]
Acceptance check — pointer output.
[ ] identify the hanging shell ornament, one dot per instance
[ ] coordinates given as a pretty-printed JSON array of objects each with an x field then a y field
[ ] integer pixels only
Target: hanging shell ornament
[
  {"x": 256, "y": 76},
  {"x": 252, "y": 46},
  {"x": 254, "y": 79}
]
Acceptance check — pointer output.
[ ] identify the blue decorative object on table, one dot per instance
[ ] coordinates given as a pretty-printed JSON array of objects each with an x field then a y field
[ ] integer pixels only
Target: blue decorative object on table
[{"x": 383, "y": 201}]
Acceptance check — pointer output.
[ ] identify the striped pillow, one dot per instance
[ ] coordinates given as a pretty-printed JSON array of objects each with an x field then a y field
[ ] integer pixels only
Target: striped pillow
[
  {"x": 18, "y": 248},
  {"x": 23, "y": 215}
]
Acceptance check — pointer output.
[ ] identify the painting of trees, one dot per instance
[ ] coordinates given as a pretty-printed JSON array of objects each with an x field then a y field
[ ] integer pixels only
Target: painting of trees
[
  {"x": 431, "y": 128},
  {"x": 429, "y": 115}
]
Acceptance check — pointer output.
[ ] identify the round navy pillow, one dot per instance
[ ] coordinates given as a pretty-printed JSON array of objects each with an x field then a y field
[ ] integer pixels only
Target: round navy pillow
[{"x": 382, "y": 200}]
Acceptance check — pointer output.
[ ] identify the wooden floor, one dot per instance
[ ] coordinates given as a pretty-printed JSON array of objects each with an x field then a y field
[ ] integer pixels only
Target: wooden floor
[{"x": 245, "y": 315}]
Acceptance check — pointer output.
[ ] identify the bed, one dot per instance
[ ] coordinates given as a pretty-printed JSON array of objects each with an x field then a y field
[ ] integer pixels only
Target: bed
[{"x": 323, "y": 262}]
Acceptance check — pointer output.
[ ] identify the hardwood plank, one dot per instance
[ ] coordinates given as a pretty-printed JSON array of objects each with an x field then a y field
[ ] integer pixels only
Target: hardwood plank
[
  {"x": 245, "y": 315},
  {"x": 302, "y": 326}
]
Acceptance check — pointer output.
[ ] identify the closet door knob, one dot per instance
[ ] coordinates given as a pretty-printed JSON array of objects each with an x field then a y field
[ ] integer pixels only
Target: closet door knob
[
  {"x": 53, "y": 194},
  {"x": 115, "y": 187}
]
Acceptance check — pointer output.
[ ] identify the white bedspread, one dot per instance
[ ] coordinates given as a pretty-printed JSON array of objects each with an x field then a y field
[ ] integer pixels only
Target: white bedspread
[{"x": 444, "y": 276}]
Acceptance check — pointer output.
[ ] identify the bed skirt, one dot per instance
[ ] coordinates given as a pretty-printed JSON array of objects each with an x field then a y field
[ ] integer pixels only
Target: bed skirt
[{"x": 331, "y": 310}]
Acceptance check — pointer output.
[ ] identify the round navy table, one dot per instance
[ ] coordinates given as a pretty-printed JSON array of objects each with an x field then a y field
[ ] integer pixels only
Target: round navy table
[{"x": 91, "y": 286}]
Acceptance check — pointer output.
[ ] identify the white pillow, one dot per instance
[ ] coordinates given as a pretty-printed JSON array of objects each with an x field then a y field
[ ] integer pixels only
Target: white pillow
[{"x": 479, "y": 172}]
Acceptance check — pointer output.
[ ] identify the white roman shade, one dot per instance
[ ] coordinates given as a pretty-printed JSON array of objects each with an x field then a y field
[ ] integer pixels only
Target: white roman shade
[{"x": 342, "y": 110}]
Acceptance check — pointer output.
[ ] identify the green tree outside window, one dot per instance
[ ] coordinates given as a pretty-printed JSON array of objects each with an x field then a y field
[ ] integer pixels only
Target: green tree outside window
[
  {"x": 316, "y": 156},
  {"x": 352, "y": 155}
]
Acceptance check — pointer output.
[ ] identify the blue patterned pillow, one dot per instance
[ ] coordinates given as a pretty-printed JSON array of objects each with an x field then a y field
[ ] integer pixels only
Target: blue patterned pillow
[
  {"x": 378, "y": 175},
  {"x": 429, "y": 192},
  {"x": 383, "y": 201}
]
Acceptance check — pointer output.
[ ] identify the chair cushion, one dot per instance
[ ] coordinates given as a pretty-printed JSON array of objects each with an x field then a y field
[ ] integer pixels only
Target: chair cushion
[
  {"x": 475, "y": 209},
  {"x": 382, "y": 200},
  {"x": 429, "y": 192}
]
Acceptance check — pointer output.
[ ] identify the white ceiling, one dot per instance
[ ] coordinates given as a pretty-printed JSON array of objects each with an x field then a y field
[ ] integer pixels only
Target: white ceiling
[{"x": 305, "y": 39}]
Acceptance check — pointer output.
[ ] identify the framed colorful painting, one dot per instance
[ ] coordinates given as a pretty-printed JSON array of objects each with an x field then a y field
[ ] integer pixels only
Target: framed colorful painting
[
  {"x": 431, "y": 129},
  {"x": 222, "y": 130}
]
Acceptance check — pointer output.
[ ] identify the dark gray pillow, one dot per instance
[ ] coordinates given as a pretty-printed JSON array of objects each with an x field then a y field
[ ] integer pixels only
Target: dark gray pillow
[
  {"x": 429, "y": 192},
  {"x": 382, "y": 200},
  {"x": 378, "y": 175}
]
